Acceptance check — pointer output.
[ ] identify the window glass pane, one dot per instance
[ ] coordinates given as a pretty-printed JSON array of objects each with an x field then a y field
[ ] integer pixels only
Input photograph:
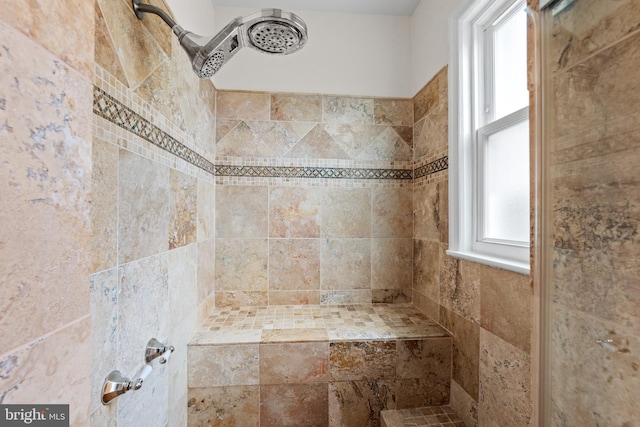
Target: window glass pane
[
  {"x": 510, "y": 72},
  {"x": 506, "y": 185}
]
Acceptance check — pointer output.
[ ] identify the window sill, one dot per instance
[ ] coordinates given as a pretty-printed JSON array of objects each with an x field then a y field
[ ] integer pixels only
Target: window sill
[{"x": 505, "y": 264}]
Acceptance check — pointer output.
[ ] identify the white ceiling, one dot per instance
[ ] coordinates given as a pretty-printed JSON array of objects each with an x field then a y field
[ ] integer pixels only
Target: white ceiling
[{"x": 368, "y": 7}]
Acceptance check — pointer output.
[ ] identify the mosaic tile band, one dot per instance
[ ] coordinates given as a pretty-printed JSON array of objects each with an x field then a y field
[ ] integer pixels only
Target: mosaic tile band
[{"x": 107, "y": 107}]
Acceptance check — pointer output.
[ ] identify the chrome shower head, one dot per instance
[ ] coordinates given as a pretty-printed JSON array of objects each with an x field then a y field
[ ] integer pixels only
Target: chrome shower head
[{"x": 271, "y": 31}]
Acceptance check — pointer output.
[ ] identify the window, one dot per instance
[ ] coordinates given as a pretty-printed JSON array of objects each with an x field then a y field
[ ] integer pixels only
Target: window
[{"x": 489, "y": 134}]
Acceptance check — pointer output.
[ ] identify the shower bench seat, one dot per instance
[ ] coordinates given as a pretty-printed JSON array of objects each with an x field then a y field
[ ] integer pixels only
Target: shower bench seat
[{"x": 316, "y": 365}]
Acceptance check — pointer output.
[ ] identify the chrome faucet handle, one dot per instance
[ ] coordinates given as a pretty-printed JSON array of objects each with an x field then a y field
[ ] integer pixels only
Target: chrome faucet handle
[
  {"x": 114, "y": 385},
  {"x": 154, "y": 350}
]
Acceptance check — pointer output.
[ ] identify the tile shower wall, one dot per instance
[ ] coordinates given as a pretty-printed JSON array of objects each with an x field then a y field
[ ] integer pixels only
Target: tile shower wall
[
  {"x": 487, "y": 310},
  {"x": 594, "y": 141},
  {"x": 153, "y": 212},
  {"x": 45, "y": 146},
  {"x": 283, "y": 240}
]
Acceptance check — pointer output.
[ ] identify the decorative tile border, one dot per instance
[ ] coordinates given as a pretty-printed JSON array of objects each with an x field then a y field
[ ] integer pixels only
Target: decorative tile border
[
  {"x": 312, "y": 172},
  {"x": 109, "y": 108},
  {"x": 432, "y": 167}
]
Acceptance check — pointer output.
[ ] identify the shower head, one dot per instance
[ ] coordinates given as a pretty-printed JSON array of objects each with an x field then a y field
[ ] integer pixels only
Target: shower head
[{"x": 271, "y": 31}]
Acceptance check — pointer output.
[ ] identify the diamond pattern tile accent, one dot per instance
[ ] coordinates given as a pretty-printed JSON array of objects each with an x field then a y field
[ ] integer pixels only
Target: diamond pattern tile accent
[
  {"x": 432, "y": 167},
  {"x": 107, "y": 107}
]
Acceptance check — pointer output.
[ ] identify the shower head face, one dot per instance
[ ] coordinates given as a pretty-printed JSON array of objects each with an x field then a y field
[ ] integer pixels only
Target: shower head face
[
  {"x": 211, "y": 64},
  {"x": 274, "y": 31}
]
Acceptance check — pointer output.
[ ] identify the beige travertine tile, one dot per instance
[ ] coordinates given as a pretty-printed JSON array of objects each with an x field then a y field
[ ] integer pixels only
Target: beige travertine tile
[
  {"x": 431, "y": 133},
  {"x": 392, "y": 212},
  {"x": 294, "y": 363},
  {"x": 600, "y": 196},
  {"x": 224, "y": 406},
  {"x": 351, "y": 296},
  {"x": 105, "y": 416},
  {"x": 161, "y": 33},
  {"x": 297, "y": 108},
  {"x": 406, "y": 133},
  {"x": 390, "y": 296},
  {"x": 241, "y": 211},
  {"x": 143, "y": 308},
  {"x": 589, "y": 369},
  {"x": 183, "y": 284},
  {"x": 179, "y": 336},
  {"x": 280, "y": 137},
  {"x": 590, "y": 26},
  {"x": 428, "y": 97},
  {"x": 243, "y": 105},
  {"x": 464, "y": 406},
  {"x": 358, "y": 403},
  {"x": 104, "y": 199},
  {"x": 396, "y": 112},
  {"x": 58, "y": 366},
  {"x": 583, "y": 278},
  {"x": 294, "y": 405},
  {"x": 104, "y": 330},
  {"x": 360, "y": 360},
  {"x": 294, "y": 264},
  {"x": 45, "y": 144},
  {"x": 143, "y": 207},
  {"x": 237, "y": 298},
  {"x": 460, "y": 287},
  {"x": 505, "y": 306},
  {"x": 241, "y": 265},
  {"x": 426, "y": 268},
  {"x": 466, "y": 350},
  {"x": 345, "y": 264},
  {"x": 391, "y": 262},
  {"x": 167, "y": 100},
  {"x": 206, "y": 210},
  {"x": 241, "y": 141},
  {"x": 72, "y": 42},
  {"x": 208, "y": 95},
  {"x": 294, "y": 211},
  {"x": 353, "y": 138},
  {"x": 417, "y": 392},
  {"x": 430, "y": 211},
  {"x": 387, "y": 146},
  {"x": 426, "y": 358},
  {"x": 346, "y": 212},
  {"x": 149, "y": 406},
  {"x": 294, "y": 335},
  {"x": 183, "y": 209},
  {"x": 206, "y": 269},
  {"x": 295, "y": 297},
  {"x": 224, "y": 365},
  {"x": 426, "y": 305},
  {"x": 105, "y": 54},
  {"x": 131, "y": 41},
  {"x": 337, "y": 109},
  {"x": 317, "y": 144},
  {"x": 597, "y": 99},
  {"x": 223, "y": 127},
  {"x": 505, "y": 383}
]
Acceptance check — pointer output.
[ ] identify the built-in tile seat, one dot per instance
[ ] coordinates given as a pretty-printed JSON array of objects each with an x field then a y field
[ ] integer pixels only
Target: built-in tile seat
[
  {"x": 315, "y": 364},
  {"x": 431, "y": 416}
]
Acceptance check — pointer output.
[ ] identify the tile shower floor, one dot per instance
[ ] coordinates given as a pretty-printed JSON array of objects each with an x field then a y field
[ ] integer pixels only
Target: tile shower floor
[
  {"x": 229, "y": 325},
  {"x": 432, "y": 416}
]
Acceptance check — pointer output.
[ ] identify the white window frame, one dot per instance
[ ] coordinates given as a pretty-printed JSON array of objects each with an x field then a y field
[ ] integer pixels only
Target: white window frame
[{"x": 467, "y": 43}]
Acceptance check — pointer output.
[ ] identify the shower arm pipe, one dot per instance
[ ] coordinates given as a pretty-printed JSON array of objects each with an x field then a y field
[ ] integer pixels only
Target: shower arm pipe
[{"x": 141, "y": 8}]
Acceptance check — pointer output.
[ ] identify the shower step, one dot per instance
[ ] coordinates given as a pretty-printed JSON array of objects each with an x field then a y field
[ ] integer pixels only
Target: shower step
[
  {"x": 315, "y": 365},
  {"x": 432, "y": 416}
]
